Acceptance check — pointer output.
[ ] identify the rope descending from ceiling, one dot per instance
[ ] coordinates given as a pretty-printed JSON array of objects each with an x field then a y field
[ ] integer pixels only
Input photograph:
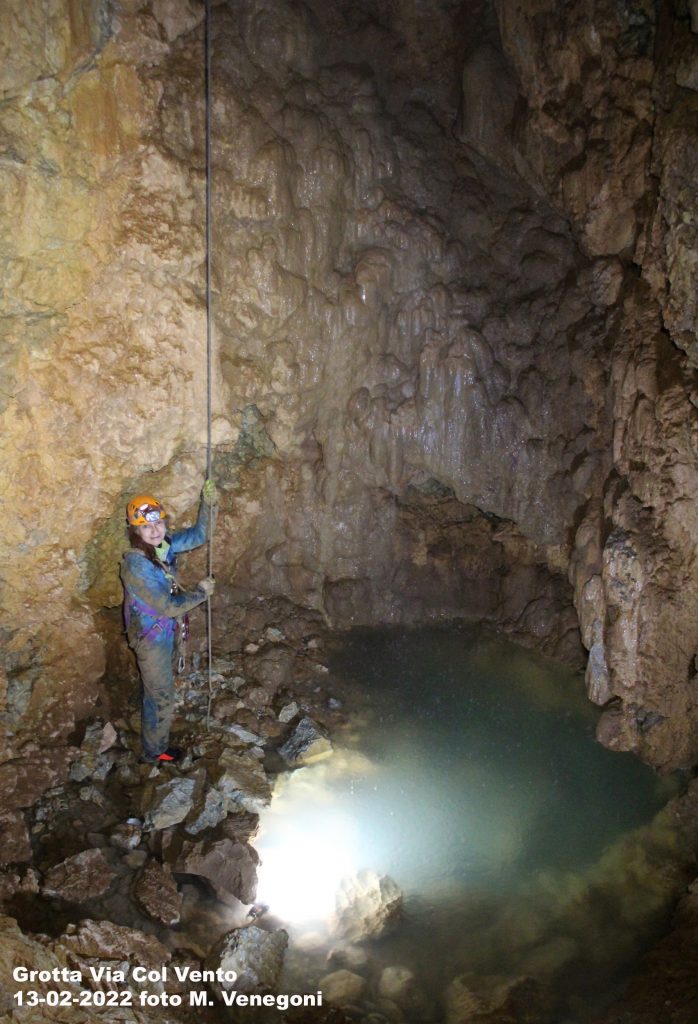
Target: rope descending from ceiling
[{"x": 209, "y": 344}]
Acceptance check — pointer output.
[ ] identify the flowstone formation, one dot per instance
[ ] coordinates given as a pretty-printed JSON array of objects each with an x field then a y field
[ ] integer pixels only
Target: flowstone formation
[{"x": 610, "y": 133}]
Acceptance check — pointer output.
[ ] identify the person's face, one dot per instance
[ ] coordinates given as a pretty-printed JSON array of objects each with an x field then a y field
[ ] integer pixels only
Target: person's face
[{"x": 153, "y": 533}]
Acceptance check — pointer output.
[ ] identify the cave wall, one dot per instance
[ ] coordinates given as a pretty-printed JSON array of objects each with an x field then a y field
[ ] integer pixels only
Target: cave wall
[
  {"x": 454, "y": 305},
  {"x": 609, "y": 132}
]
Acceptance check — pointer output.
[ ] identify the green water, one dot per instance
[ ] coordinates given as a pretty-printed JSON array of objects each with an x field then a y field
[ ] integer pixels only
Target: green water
[
  {"x": 489, "y": 751},
  {"x": 522, "y": 847}
]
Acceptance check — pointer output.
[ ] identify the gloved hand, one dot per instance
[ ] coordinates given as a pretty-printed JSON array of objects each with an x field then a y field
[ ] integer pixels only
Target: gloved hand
[
  {"x": 208, "y": 585},
  {"x": 209, "y": 492}
]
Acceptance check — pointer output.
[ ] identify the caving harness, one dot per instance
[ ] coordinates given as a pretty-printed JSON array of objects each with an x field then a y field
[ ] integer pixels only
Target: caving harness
[{"x": 166, "y": 625}]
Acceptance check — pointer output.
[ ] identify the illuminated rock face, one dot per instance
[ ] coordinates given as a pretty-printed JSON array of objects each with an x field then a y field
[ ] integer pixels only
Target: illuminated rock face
[
  {"x": 432, "y": 363},
  {"x": 610, "y": 133}
]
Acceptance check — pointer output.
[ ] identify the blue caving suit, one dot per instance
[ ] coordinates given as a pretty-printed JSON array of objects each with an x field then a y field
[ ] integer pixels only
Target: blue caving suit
[{"x": 153, "y": 602}]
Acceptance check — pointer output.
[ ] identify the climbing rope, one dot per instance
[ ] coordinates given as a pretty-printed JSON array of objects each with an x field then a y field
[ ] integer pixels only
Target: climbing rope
[{"x": 209, "y": 345}]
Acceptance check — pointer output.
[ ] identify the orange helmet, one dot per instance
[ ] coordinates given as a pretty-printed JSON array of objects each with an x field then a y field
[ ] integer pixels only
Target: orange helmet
[{"x": 144, "y": 509}]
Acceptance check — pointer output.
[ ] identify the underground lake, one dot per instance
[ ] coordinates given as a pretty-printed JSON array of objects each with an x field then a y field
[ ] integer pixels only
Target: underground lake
[{"x": 529, "y": 862}]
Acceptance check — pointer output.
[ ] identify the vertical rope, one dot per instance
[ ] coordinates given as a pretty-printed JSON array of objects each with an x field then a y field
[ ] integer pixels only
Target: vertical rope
[{"x": 209, "y": 334}]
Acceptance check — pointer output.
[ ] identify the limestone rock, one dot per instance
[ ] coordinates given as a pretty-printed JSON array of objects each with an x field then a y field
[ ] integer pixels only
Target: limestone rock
[
  {"x": 79, "y": 878},
  {"x": 108, "y": 941},
  {"x": 347, "y": 955},
  {"x": 342, "y": 987},
  {"x": 254, "y": 954},
  {"x": 288, "y": 712},
  {"x": 242, "y": 781},
  {"x": 477, "y": 332},
  {"x": 15, "y": 845},
  {"x": 271, "y": 668},
  {"x": 306, "y": 745},
  {"x": 17, "y": 948},
  {"x": 95, "y": 759},
  {"x": 397, "y": 984},
  {"x": 367, "y": 905},
  {"x": 463, "y": 1006},
  {"x": 24, "y": 780},
  {"x": 157, "y": 893},
  {"x": 230, "y": 867},
  {"x": 127, "y": 835},
  {"x": 210, "y": 809},
  {"x": 11, "y": 883},
  {"x": 167, "y": 803},
  {"x": 245, "y": 736}
]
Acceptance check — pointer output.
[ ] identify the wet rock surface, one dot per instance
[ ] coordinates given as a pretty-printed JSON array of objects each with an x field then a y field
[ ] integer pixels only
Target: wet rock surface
[
  {"x": 367, "y": 906},
  {"x": 306, "y": 745}
]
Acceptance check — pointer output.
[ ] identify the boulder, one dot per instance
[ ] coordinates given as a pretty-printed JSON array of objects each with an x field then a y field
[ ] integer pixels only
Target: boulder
[
  {"x": 241, "y": 779},
  {"x": 397, "y": 984},
  {"x": 463, "y": 1006},
  {"x": 306, "y": 744},
  {"x": 12, "y": 883},
  {"x": 168, "y": 803},
  {"x": 209, "y": 810},
  {"x": 255, "y": 955},
  {"x": 342, "y": 987},
  {"x": 230, "y": 867},
  {"x": 156, "y": 892},
  {"x": 108, "y": 941},
  {"x": 82, "y": 877},
  {"x": 93, "y": 760},
  {"x": 366, "y": 906}
]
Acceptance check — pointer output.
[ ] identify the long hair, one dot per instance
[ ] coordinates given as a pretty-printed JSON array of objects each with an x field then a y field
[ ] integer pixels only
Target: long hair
[{"x": 136, "y": 541}]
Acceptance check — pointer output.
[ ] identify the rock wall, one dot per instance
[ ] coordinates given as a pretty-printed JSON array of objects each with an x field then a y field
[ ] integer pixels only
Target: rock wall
[
  {"x": 609, "y": 132},
  {"x": 439, "y": 384}
]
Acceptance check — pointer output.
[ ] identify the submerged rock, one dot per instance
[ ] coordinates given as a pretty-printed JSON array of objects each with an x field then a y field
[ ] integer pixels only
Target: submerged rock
[
  {"x": 367, "y": 905},
  {"x": 463, "y": 1006},
  {"x": 79, "y": 878},
  {"x": 397, "y": 984},
  {"x": 255, "y": 955},
  {"x": 342, "y": 987},
  {"x": 306, "y": 744}
]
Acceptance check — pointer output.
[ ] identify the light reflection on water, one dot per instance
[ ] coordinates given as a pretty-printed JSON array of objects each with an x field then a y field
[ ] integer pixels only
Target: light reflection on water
[{"x": 479, "y": 788}]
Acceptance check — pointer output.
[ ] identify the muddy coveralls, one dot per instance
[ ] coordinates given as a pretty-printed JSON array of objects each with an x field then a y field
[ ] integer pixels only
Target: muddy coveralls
[{"x": 153, "y": 602}]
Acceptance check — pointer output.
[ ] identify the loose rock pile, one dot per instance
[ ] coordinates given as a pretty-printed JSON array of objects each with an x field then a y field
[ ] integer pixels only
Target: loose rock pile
[{"x": 127, "y": 864}]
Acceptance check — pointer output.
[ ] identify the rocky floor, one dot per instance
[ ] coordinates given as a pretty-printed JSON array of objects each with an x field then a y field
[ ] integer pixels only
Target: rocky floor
[{"x": 126, "y": 879}]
